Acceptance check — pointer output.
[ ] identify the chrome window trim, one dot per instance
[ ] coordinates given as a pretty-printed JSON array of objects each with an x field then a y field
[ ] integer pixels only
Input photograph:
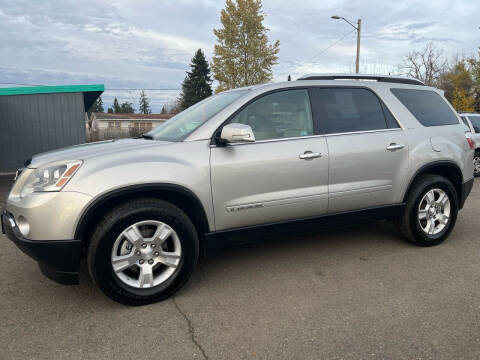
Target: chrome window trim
[
  {"x": 307, "y": 137},
  {"x": 364, "y": 132},
  {"x": 307, "y": 87}
]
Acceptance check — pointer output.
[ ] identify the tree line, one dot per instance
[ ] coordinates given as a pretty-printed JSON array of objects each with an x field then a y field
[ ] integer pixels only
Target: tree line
[
  {"x": 243, "y": 56},
  {"x": 458, "y": 77}
]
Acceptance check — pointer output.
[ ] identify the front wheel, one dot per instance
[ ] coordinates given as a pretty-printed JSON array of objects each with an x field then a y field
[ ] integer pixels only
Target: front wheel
[
  {"x": 143, "y": 251},
  {"x": 430, "y": 212},
  {"x": 476, "y": 164}
]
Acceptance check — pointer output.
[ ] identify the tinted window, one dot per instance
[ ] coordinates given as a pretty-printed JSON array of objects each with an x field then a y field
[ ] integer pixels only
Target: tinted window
[
  {"x": 475, "y": 120},
  {"x": 348, "y": 110},
  {"x": 283, "y": 114},
  {"x": 427, "y": 106},
  {"x": 391, "y": 122}
]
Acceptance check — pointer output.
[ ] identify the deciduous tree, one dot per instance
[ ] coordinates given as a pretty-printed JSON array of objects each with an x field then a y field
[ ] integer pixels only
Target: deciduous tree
[
  {"x": 475, "y": 71},
  {"x": 425, "y": 65},
  {"x": 457, "y": 82},
  {"x": 461, "y": 101},
  {"x": 243, "y": 54}
]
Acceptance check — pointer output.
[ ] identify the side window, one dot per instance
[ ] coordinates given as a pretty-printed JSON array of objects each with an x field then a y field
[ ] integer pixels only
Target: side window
[
  {"x": 282, "y": 114},
  {"x": 475, "y": 120},
  {"x": 391, "y": 122},
  {"x": 348, "y": 110},
  {"x": 427, "y": 106}
]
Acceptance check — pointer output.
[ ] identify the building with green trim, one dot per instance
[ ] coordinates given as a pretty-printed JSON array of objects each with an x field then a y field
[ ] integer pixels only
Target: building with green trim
[{"x": 42, "y": 118}]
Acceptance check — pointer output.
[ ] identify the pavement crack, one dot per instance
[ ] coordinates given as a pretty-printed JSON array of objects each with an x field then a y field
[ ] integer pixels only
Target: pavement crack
[{"x": 191, "y": 329}]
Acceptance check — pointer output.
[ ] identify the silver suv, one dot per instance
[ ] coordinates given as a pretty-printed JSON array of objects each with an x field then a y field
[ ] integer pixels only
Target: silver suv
[{"x": 247, "y": 163}]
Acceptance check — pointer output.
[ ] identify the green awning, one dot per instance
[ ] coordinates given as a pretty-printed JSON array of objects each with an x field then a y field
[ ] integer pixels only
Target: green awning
[{"x": 90, "y": 92}]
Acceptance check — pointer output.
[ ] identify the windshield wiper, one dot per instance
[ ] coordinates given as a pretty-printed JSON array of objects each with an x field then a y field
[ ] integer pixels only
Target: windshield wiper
[{"x": 146, "y": 136}]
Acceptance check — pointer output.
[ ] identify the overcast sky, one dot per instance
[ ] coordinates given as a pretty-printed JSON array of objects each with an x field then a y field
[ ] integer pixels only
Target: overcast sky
[{"x": 149, "y": 43}]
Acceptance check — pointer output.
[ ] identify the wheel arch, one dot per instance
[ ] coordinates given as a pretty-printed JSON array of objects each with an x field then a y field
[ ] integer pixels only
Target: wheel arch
[
  {"x": 178, "y": 195},
  {"x": 445, "y": 168}
]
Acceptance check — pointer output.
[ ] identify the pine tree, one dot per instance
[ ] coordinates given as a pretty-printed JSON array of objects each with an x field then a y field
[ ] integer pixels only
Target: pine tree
[
  {"x": 164, "y": 110},
  {"x": 197, "y": 83},
  {"x": 116, "y": 106},
  {"x": 243, "y": 55},
  {"x": 144, "y": 104},
  {"x": 98, "y": 105},
  {"x": 110, "y": 110},
  {"x": 127, "y": 108}
]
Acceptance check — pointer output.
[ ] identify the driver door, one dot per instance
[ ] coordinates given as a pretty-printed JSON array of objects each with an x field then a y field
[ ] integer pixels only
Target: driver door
[{"x": 283, "y": 175}]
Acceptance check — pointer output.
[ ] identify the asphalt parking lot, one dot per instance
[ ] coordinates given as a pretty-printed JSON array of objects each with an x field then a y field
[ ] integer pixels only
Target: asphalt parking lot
[{"x": 359, "y": 293}]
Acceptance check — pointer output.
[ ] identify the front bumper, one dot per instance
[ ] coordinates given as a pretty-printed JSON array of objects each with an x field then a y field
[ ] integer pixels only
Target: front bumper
[{"x": 59, "y": 260}]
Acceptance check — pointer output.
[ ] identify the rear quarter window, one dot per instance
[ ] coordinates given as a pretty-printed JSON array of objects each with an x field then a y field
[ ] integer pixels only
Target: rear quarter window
[{"x": 429, "y": 108}]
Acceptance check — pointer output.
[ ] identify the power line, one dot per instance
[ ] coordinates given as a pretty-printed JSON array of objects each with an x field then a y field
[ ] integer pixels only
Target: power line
[
  {"x": 9, "y": 83},
  {"x": 330, "y": 46}
]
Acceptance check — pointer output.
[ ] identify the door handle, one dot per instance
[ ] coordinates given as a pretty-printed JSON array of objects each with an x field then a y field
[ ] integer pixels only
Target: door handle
[
  {"x": 307, "y": 155},
  {"x": 393, "y": 147}
]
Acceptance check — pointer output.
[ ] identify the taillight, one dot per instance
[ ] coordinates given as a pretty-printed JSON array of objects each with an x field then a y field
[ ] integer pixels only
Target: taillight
[{"x": 470, "y": 141}]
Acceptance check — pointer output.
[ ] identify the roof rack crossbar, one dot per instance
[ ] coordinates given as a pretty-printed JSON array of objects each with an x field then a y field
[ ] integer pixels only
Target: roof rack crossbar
[{"x": 379, "y": 78}]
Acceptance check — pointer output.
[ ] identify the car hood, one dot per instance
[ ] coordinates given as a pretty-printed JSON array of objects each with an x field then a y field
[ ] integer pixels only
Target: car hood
[{"x": 89, "y": 150}]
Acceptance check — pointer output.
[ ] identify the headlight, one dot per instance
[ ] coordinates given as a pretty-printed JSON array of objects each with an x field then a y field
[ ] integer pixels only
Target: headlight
[{"x": 51, "y": 177}]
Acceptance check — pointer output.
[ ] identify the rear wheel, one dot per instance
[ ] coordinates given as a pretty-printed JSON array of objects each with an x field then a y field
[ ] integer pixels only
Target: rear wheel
[
  {"x": 476, "y": 164},
  {"x": 143, "y": 251},
  {"x": 431, "y": 211}
]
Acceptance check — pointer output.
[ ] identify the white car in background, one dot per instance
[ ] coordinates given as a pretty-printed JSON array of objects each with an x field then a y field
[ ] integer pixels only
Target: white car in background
[{"x": 473, "y": 122}]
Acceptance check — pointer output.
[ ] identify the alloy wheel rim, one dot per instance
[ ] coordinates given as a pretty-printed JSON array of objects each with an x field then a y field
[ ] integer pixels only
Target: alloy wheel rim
[
  {"x": 476, "y": 164},
  {"x": 434, "y": 211},
  {"x": 146, "y": 254}
]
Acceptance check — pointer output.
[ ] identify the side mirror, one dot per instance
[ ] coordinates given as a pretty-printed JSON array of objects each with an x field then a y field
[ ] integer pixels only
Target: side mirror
[{"x": 235, "y": 132}]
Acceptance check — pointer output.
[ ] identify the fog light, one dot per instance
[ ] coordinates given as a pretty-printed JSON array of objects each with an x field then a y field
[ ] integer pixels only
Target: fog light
[{"x": 23, "y": 225}]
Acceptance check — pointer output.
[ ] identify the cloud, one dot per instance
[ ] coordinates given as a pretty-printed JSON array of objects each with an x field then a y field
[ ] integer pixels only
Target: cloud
[{"x": 149, "y": 43}]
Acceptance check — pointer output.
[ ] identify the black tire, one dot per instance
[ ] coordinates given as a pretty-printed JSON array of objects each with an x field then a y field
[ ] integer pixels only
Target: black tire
[
  {"x": 476, "y": 172},
  {"x": 409, "y": 225},
  {"x": 111, "y": 226}
]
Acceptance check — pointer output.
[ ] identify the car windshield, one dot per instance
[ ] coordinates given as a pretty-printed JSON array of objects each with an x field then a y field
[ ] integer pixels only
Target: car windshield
[
  {"x": 475, "y": 120},
  {"x": 183, "y": 124}
]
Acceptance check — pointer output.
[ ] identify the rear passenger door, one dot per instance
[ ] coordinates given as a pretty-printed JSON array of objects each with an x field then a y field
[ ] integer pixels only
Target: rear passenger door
[{"x": 367, "y": 148}]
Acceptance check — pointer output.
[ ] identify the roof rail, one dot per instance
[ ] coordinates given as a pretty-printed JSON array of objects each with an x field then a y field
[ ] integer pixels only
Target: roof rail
[{"x": 379, "y": 78}]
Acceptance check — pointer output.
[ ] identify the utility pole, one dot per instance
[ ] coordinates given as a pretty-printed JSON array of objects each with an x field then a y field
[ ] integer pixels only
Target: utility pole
[
  {"x": 357, "y": 61},
  {"x": 359, "y": 29}
]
